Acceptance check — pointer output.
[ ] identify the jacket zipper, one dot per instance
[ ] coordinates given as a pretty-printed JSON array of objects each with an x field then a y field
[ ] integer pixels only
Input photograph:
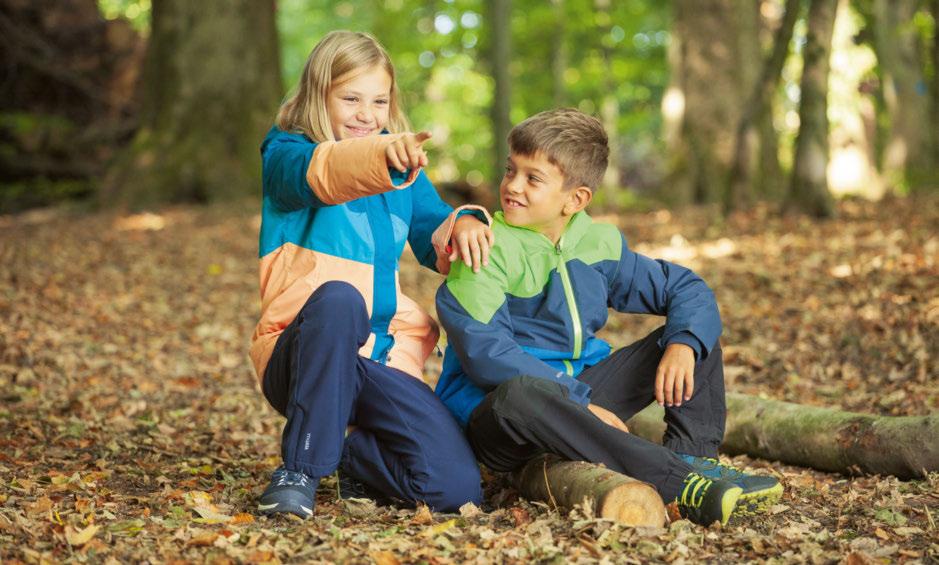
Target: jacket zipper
[{"x": 571, "y": 303}]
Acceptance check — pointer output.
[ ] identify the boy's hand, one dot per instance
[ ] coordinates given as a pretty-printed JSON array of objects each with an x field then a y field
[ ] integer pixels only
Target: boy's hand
[
  {"x": 674, "y": 379},
  {"x": 406, "y": 152},
  {"x": 608, "y": 417},
  {"x": 471, "y": 240}
]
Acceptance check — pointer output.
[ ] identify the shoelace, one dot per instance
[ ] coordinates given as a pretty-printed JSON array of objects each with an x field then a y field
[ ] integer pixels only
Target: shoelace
[
  {"x": 693, "y": 493},
  {"x": 291, "y": 478}
]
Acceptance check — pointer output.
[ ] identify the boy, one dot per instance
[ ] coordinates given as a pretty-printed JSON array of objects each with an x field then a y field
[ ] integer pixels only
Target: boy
[{"x": 524, "y": 373}]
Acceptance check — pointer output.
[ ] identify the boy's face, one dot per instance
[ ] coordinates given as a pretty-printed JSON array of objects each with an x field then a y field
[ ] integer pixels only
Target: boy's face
[{"x": 532, "y": 195}]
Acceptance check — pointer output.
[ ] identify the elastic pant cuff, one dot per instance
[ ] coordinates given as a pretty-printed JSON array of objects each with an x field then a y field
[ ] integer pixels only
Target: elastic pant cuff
[
  {"x": 311, "y": 470},
  {"x": 688, "y": 447}
]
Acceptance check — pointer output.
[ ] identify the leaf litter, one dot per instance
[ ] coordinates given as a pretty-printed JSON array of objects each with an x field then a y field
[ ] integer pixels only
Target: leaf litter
[{"x": 131, "y": 427}]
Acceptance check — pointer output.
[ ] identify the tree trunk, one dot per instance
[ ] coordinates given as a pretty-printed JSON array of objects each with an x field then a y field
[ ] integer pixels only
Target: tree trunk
[
  {"x": 756, "y": 114},
  {"x": 211, "y": 84},
  {"x": 808, "y": 191},
  {"x": 559, "y": 55},
  {"x": 906, "y": 159},
  {"x": 821, "y": 438},
  {"x": 614, "y": 496},
  {"x": 609, "y": 107},
  {"x": 500, "y": 12},
  {"x": 934, "y": 94},
  {"x": 713, "y": 69}
]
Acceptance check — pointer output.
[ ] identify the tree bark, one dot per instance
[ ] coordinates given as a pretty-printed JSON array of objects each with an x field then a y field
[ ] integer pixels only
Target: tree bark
[
  {"x": 808, "y": 191},
  {"x": 755, "y": 114},
  {"x": 500, "y": 12},
  {"x": 906, "y": 160},
  {"x": 713, "y": 68},
  {"x": 614, "y": 496},
  {"x": 211, "y": 84},
  {"x": 821, "y": 438},
  {"x": 609, "y": 107}
]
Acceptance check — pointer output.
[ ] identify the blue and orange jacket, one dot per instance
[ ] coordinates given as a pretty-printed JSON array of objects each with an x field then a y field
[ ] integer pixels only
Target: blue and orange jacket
[
  {"x": 536, "y": 308},
  {"x": 334, "y": 211}
]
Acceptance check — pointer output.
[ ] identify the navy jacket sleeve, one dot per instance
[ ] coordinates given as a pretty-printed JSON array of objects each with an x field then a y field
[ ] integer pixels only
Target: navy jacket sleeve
[
  {"x": 427, "y": 213},
  {"x": 645, "y": 286},
  {"x": 485, "y": 345}
]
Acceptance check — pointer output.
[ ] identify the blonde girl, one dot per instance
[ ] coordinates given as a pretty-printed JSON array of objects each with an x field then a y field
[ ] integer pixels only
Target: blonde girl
[{"x": 338, "y": 345}]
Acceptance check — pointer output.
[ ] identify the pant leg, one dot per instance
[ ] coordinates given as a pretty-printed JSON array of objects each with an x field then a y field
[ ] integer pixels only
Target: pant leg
[
  {"x": 527, "y": 416},
  {"x": 313, "y": 377},
  {"x": 624, "y": 383},
  {"x": 407, "y": 445}
]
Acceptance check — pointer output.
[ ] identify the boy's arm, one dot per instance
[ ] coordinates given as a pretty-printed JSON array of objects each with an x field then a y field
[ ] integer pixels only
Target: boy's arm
[
  {"x": 645, "y": 286},
  {"x": 474, "y": 312},
  {"x": 300, "y": 174},
  {"x": 432, "y": 222}
]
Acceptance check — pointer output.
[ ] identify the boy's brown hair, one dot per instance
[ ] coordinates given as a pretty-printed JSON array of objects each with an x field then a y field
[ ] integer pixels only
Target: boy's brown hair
[{"x": 573, "y": 141}]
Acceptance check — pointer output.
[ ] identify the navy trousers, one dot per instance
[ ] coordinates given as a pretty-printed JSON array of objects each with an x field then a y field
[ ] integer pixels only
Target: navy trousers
[
  {"x": 526, "y": 417},
  {"x": 406, "y": 444}
]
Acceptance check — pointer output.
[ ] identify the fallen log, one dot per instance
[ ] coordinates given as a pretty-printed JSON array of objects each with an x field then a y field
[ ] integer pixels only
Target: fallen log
[
  {"x": 822, "y": 438},
  {"x": 614, "y": 496}
]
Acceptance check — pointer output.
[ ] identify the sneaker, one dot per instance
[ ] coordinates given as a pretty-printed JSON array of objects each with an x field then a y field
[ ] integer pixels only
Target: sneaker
[
  {"x": 759, "y": 492},
  {"x": 704, "y": 501},
  {"x": 289, "y": 491},
  {"x": 350, "y": 487}
]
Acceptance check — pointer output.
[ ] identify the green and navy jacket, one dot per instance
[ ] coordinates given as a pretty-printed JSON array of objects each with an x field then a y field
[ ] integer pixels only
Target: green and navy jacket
[{"x": 536, "y": 308}]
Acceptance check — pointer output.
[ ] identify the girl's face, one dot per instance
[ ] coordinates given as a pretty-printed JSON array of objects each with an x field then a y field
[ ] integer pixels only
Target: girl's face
[{"x": 358, "y": 103}]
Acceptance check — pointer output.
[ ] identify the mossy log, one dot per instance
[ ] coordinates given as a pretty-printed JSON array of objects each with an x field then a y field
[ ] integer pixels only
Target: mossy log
[
  {"x": 822, "y": 438},
  {"x": 614, "y": 496}
]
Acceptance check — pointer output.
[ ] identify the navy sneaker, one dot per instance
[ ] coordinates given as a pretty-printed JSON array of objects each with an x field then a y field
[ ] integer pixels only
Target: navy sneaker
[
  {"x": 289, "y": 492},
  {"x": 759, "y": 492},
  {"x": 704, "y": 501}
]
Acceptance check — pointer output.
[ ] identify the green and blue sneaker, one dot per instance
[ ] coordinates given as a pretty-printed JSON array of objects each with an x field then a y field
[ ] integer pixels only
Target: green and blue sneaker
[
  {"x": 704, "y": 501},
  {"x": 759, "y": 492},
  {"x": 289, "y": 492}
]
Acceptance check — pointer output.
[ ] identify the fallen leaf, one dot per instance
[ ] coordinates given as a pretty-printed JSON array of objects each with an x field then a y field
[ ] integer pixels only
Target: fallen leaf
[
  {"x": 80, "y": 538},
  {"x": 384, "y": 558},
  {"x": 422, "y": 516}
]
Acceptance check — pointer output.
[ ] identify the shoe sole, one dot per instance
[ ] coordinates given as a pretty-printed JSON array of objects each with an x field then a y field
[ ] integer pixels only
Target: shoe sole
[
  {"x": 282, "y": 508},
  {"x": 759, "y": 501}
]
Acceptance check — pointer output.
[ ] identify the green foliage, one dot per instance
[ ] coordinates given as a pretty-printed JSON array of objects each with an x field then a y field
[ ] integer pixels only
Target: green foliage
[{"x": 135, "y": 11}]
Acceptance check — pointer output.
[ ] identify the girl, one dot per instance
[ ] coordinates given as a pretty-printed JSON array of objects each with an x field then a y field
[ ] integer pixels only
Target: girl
[{"x": 338, "y": 344}]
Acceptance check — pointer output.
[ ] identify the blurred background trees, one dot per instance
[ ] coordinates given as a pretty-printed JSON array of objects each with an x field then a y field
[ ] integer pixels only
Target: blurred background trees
[{"x": 717, "y": 102}]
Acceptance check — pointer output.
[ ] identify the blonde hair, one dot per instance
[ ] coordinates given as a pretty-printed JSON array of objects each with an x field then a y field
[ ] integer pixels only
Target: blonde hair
[
  {"x": 570, "y": 139},
  {"x": 337, "y": 54}
]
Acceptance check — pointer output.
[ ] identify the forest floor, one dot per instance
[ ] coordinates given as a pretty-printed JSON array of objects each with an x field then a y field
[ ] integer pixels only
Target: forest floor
[{"x": 131, "y": 427}]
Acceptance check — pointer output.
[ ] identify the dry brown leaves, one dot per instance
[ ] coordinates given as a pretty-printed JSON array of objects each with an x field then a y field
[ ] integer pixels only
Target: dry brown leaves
[{"x": 131, "y": 427}]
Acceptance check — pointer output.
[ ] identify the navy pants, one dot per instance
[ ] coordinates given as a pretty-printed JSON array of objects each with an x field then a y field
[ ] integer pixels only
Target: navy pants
[
  {"x": 406, "y": 444},
  {"x": 526, "y": 417}
]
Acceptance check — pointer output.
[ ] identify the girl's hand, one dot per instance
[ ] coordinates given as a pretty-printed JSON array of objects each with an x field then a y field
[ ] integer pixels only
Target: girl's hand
[
  {"x": 406, "y": 152},
  {"x": 674, "y": 379},
  {"x": 471, "y": 240}
]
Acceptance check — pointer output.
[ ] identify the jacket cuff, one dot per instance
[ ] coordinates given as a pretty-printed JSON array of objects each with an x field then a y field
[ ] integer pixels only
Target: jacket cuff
[
  {"x": 578, "y": 391},
  {"x": 340, "y": 171},
  {"x": 441, "y": 236},
  {"x": 688, "y": 339}
]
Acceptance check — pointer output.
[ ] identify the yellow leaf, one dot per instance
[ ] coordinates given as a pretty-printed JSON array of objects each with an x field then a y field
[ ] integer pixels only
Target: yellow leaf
[
  {"x": 384, "y": 558},
  {"x": 80, "y": 538},
  {"x": 440, "y": 528},
  {"x": 242, "y": 518}
]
